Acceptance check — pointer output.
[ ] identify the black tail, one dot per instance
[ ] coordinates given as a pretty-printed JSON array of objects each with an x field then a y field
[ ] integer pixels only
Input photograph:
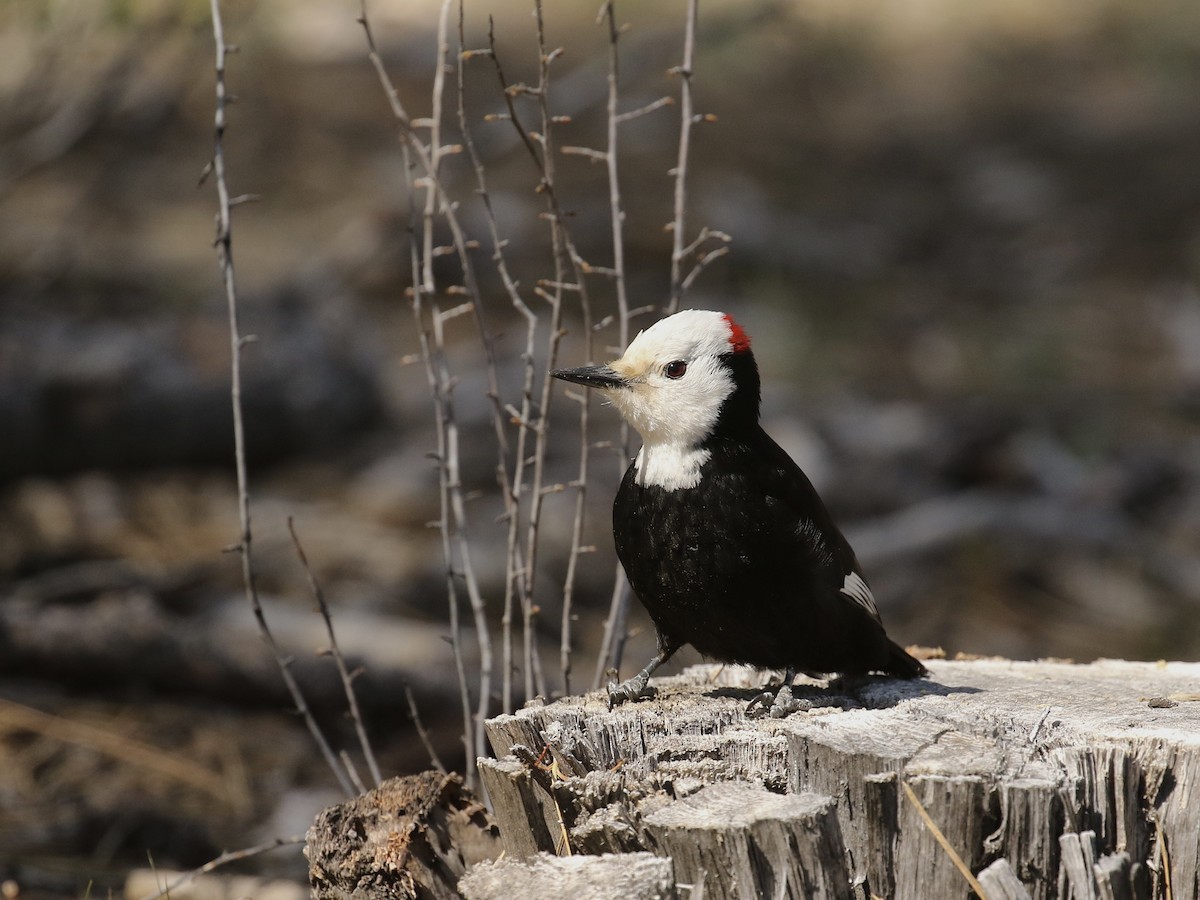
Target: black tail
[{"x": 902, "y": 665}]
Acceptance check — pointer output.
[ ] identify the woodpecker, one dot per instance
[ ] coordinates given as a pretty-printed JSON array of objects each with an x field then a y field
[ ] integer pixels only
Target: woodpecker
[{"x": 723, "y": 538}]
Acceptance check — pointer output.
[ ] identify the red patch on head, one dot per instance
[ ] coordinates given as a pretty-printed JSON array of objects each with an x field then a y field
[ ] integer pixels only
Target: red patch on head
[{"x": 739, "y": 341}]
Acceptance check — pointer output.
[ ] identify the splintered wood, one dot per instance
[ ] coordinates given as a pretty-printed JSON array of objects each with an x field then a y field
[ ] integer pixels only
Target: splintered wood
[{"x": 992, "y": 778}]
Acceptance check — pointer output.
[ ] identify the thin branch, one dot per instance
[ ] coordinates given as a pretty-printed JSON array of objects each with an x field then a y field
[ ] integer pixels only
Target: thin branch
[
  {"x": 702, "y": 262},
  {"x": 452, "y": 482},
  {"x": 438, "y": 391},
  {"x": 340, "y": 660},
  {"x": 617, "y": 273},
  {"x": 706, "y": 234},
  {"x": 421, "y": 732},
  {"x": 511, "y": 489},
  {"x": 229, "y": 856},
  {"x": 543, "y": 162},
  {"x": 224, "y": 244},
  {"x": 352, "y": 772},
  {"x": 453, "y": 519},
  {"x": 438, "y": 394},
  {"x": 434, "y": 123},
  {"x": 565, "y": 256},
  {"x": 611, "y": 646},
  {"x": 609, "y": 655},
  {"x": 645, "y": 110},
  {"x": 685, "y": 138},
  {"x": 588, "y": 152}
]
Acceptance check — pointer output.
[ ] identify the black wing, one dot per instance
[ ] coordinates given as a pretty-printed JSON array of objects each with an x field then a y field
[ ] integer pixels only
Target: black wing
[{"x": 785, "y": 482}]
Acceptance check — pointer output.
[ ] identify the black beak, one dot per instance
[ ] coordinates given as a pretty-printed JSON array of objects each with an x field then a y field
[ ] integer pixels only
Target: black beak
[{"x": 592, "y": 376}]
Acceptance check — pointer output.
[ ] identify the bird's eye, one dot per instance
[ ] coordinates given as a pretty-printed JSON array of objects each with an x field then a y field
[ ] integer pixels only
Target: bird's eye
[{"x": 676, "y": 369}]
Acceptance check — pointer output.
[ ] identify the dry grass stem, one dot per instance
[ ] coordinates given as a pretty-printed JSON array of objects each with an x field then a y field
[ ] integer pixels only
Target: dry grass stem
[
  {"x": 16, "y": 717},
  {"x": 943, "y": 841},
  {"x": 229, "y": 856}
]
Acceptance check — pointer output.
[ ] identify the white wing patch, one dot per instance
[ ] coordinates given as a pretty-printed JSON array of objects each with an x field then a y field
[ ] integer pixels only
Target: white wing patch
[{"x": 856, "y": 589}]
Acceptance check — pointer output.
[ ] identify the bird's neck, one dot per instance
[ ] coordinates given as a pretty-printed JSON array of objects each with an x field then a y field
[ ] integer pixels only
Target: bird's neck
[{"x": 669, "y": 465}]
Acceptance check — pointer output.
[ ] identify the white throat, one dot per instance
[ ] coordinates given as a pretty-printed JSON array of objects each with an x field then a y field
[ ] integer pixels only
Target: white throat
[{"x": 670, "y": 466}]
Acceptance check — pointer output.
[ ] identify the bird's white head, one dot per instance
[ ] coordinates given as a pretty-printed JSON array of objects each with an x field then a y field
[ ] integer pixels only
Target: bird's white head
[{"x": 676, "y": 382}]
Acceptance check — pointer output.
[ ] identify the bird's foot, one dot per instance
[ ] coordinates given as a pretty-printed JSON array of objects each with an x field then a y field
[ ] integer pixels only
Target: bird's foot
[
  {"x": 779, "y": 705},
  {"x": 635, "y": 688}
]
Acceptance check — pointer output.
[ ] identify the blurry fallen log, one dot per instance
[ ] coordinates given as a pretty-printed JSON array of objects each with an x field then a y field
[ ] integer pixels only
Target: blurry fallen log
[
  {"x": 410, "y": 837},
  {"x": 1021, "y": 776},
  {"x": 128, "y": 636},
  {"x": 940, "y": 522},
  {"x": 127, "y": 394}
]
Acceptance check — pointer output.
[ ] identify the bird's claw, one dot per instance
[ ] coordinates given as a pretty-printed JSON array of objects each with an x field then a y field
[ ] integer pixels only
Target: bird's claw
[
  {"x": 763, "y": 700},
  {"x": 785, "y": 704},
  {"x": 779, "y": 705},
  {"x": 635, "y": 688}
]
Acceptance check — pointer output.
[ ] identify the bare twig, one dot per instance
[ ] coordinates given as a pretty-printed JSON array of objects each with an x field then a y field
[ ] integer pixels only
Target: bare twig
[
  {"x": 352, "y": 772},
  {"x": 614, "y": 623},
  {"x": 453, "y": 523},
  {"x": 335, "y": 651},
  {"x": 524, "y": 573},
  {"x": 415, "y": 715},
  {"x": 566, "y": 256},
  {"x": 224, "y": 244},
  {"x": 541, "y": 150},
  {"x": 685, "y": 136},
  {"x": 438, "y": 397},
  {"x": 436, "y": 149},
  {"x": 702, "y": 263},
  {"x": 617, "y": 218},
  {"x": 511, "y": 489},
  {"x": 229, "y": 856},
  {"x": 612, "y": 643},
  {"x": 645, "y": 110}
]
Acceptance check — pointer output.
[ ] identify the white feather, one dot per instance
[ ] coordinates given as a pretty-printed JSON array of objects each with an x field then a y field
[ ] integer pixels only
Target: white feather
[
  {"x": 857, "y": 590},
  {"x": 669, "y": 466}
]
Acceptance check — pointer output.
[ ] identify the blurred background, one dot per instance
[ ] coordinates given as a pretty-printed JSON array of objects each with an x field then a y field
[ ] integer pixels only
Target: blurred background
[{"x": 965, "y": 242}]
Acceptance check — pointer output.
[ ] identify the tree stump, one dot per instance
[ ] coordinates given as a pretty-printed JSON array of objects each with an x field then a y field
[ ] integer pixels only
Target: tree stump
[
  {"x": 632, "y": 876},
  {"x": 1021, "y": 779},
  {"x": 410, "y": 837}
]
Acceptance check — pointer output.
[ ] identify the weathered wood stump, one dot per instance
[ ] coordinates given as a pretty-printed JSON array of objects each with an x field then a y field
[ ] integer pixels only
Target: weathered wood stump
[
  {"x": 410, "y": 837},
  {"x": 631, "y": 876},
  {"x": 1017, "y": 779}
]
